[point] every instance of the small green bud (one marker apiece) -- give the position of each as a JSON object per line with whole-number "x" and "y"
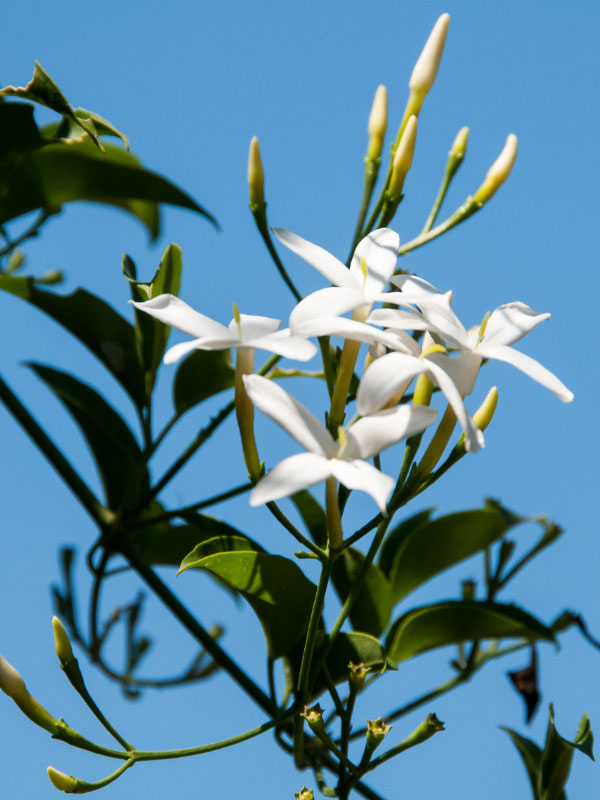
{"x": 256, "y": 175}
{"x": 403, "y": 157}
{"x": 377, "y": 123}
{"x": 377, "y": 730}
{"x": 62, "y": 643}
{"x": 459, "y": 146}
{"x": 484, "y": 414}
{"x": 314, "y": 717}
{"x": 63, "y": 782}
{"x": 304, "y": 794}
{"x": 426, "y": 68}
{"x": 15, "y": 261}
{"x": 51, "y": 277}
{"x": 499, "y": 171}
{"x": 358, "y": 673}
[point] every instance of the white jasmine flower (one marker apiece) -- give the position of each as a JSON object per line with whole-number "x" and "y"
{"x": 343, "y": 459}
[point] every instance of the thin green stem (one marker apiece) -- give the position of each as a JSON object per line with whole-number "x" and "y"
{"x": 371, "y": 172}
{"x": 36, "y": 433}
{"x": 259, "y": 212}
{"x": 298, "y": 535}
{"x": 30, "y": 233}
{"x": 467, "y": 209}
{"x": 452, "y": 166}
{"x": 313, "y": 627}
{"x": 179, "y": 512}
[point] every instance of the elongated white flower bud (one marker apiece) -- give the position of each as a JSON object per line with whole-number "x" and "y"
{"x": 499, "y": 171}
{"x": 10, "y": 681}
{"x": 14, "y": 686}
{"x": 425, "y": 70}
{"x": 403, "y": 157}
{"x": 377, "y": 123}
{"x": 256, "y": 175}
{"x": 459, "y": 146}
{"x": 61, "y": 781}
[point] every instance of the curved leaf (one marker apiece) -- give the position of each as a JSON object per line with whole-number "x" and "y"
{"x": 218, "y": 544}
{"x": 276, "y": 588}
{"x": 455, "y": 621}
{"x": 531, "y": 755}
{"x": 373, "y": 607}
{"x": 96, "y": 324}
{"x": 394, "y": 539}
{"x": 114, "y": 448}
{"x": 201, "y": 375}
{"x": 558, "y": 754}
{"x": 47, "y": 177}
{"x": 422, "y": 551}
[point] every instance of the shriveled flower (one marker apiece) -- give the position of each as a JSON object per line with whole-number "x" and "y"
{"x": 344, "y": 459}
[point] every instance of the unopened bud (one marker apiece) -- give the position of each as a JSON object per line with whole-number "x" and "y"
{"x": 483, "y": 416}
{"x": 425, "y": 70}
{"x": 459, "y": 146}
{"x": 377, "y": 123}
{"x": 15, "y": 261}
{"x": 62, "y": 643}
{"x": 304, "y": 794}
{"x": 403, "y": 157}
{"x": 357, "y": 675}
{"x": 256, "y": 176}
{"x": 426, "y": 730}
{"x": 63, "y": 782}
{"x": 14, "y": 686}
{"x": 50, "y": 277}
{"x": 499, "y": 171}
{"x": 314, "y": 716}
{"x": 377, "y": 730}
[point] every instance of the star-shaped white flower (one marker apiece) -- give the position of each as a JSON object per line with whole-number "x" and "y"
{"x": 343, "y": 459}
{"x": 493, "y": 339}
{"x": 246, "y": 331}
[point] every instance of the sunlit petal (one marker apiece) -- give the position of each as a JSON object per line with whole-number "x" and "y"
{"x": 291, "y": 475}
{"x": 360, "y": 475}
{"x": 329, "y": 266}
{"x": 510, "y": 322}
{"x": 474, "y": 440}
{"x": 379, "y": 251}
{"x": 254, "y": 326}
{"x": 529, "y": 366}
{"x": 284, "y": 344}
{"x": 383, "y": 378}
{"x": 172, "y": 311}
{"x": 373, "y": 433}
{"x": 330, "y": 302}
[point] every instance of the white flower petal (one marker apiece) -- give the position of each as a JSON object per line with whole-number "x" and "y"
{"x": 510, "y": 322}
{"x": 254, "y": 327}
{"x": 172, "y": 311}
{"x": 380, "y": 253}
{"x": 462, "y": 369}
{"x": 293, "y": 417}
{"x": 329, "y": 302}
{"x": 176, "y": 352}
{"x": 350, "y": 329}
{"x": 291, "y": 475}
{"x": 329, "y": 266}
{"x": 397, "y": 320}
{"x": 529, "y": 366}
{"x": 360, "y": 475}
{"x": 383, "y": 378}
{"x": 411, "y": 284}
{"x": 373, "y": 433}
{"x": 284, "y": 344}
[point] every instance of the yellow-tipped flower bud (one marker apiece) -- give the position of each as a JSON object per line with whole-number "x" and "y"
{"x": 377, "y": 123}
{"x": 14, "y": 686}
{"x": 62, "y": 782}
{"x": 357, "y": 675}
{"x": 425, "y": 70}
{"x": 304, "y": 794}
{"x": 377, "y": 730}
{"x": 256, "y": 176}
{"x": 403, "y": 157}
{"x": 483, "y": 416}
{"x": 459, "y": 146}
{"x": 62, "y": 644}
{"x": 499, "y": 171}
{"x": 314, "y": 716}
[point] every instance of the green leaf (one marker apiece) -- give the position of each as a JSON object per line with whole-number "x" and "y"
{"x": 398, "y": 535}
{"x": 278, "y": 591}
{"x": 218, "y": 544}
{"x": 98, "y": 326}
{"x": 201, "y": 375}
{"x": 114, "y": 448}
{"x": 373, "y": 607}
{"x": 558, "y": 754}
{"x": 313, "y": 516}
{"x": 42, "y": 89}
{"x": 454, "y": 621}
{"x": 421, "y": 551}
{"x": 531, "y": 755}
{"x": 70, "y": 131}
{"x": 18, "y": 131}
{"x": 47, "y": 177}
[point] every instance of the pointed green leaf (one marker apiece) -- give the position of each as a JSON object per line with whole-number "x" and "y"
{"x": 201, "y": 375}
{"x": 113, "y": 446}
{"x": 98, "y": 326}
{"x": 373, "y": 607}
{"x": 47, "y": 177}
{"x": 455, "y": 621}
{"x": 218, "y": 544}
{"x": 558, "y": 754}
{"x": 278, "y": 591}
{"x": 42, "y": 89}
{"x": 531, "y": 755}
{"x": 398, "y": 535}
{"x": 422, "y": 551}
{"x": 312, "y": 515}
{"x": 70, "y": 131}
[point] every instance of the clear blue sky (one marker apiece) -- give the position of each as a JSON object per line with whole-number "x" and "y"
{"x": 191, "y": 83}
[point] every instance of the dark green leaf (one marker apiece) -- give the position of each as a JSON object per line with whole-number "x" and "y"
{"x": 18, "y": 131}
{"x": 218, "y": 544}
{"x": 420, "y": 552}
{"x": 558, "y": 754}
{"x": 47, "y": 177}
{"x": 110, "y": 337}
{"x": 312, "y": 515}
{"x": 275, "y": 587}
{"x": 398, "y": 535}
{"x": 373, "y": 606}
{"x": 69, "y": 129}
{"x": 531, "y": 755}
{"x": 113, "y": 446}
{"x": 200, "y": 375}
{"x": 42, "y": 89}
{"x": 455, "y": 621}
